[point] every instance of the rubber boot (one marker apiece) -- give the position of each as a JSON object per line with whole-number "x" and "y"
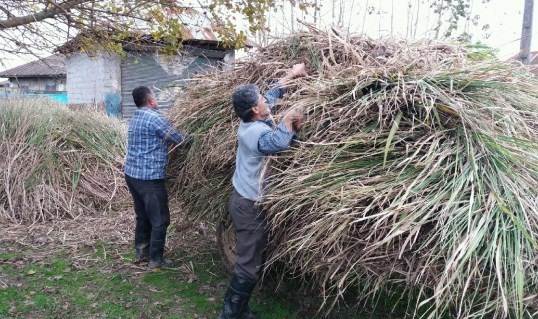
{"x": 156, "y": 250}
{"x": 236, "y": 299}
{"x": 248, "y": 314}
{"x": 142, "y": 240}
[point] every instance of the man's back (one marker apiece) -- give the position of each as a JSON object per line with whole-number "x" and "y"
{"x": 147, "y": 146}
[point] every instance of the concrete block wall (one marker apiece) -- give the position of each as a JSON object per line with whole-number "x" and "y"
{"x": 92, "y": 79}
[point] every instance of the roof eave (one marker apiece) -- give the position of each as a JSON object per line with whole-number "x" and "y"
{"x": 32, "y": 75}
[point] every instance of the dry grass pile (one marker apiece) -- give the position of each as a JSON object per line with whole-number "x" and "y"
{"x": 418, "y": 169}
{"x": 56, "y": 162}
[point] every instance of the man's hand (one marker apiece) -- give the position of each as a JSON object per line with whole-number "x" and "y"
{"x": 293, "y": 120}
{"x": 297, "y": 124}
{"x": 295, "y": 71}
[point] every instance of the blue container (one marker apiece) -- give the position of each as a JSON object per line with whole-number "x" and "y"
{"x": 58, "y": 97}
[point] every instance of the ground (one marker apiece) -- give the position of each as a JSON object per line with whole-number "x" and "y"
{"x": 83, "y": 268}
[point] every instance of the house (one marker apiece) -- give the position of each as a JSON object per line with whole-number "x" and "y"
{"x": 108, "y": 79}
{"x": 44, "y": 76}
{"x": 4, "y": 88}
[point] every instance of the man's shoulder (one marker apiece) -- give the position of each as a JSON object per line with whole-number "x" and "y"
{"x": 254, "y": 124}
{"x": 251, "y": 131}
{"x": 254, "y": 127}
{"x": 147, "y": 115}
{"x": 149, "y": 112}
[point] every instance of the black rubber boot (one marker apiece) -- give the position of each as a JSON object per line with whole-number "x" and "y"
{"x": 236, "y": 299}
{"x": 248, "y": 314}
{"x": 142, "y": 239}
{"x": 141, "y": 253}
{"x": 156, "y": 250}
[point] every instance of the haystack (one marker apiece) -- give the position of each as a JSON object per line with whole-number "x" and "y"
{"x": 417, "y": 169}
{"x": 57, "y": 162}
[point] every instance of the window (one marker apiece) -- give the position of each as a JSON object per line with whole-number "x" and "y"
{"x": 50, "y": 87}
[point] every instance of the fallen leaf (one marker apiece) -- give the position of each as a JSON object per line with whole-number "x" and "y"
{"x": 31, "y": 272}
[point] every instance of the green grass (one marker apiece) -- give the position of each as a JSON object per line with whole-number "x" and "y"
{"x": 58, "y": 287}
{"x": 61, "y": 285}
{"x": 86, "y": 278}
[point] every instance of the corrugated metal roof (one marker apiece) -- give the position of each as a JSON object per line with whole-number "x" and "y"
{"x": 53, "y": 65}
{"x": 197, "y": 26}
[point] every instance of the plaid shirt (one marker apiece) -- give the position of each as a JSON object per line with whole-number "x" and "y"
{"x": 278, "y": 139}
{"x": 147, "y": 149}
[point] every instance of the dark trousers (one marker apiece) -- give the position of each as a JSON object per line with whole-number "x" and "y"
{"x": 251, "y": 229}
{"x": 152, "y": 215}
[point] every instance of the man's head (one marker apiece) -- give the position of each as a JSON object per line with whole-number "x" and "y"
{"x": 249, "y": 104}
{"x": 144, "y": 97}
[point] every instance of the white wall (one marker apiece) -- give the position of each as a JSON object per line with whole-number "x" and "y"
{"x": 90, "y": 79}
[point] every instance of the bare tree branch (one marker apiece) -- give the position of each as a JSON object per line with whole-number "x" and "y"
{"x": 6, "y": 11}
{"x": 39, "y": 16}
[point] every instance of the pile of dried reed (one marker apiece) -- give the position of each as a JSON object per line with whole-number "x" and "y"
{"x": 56, "y": 162}
{"x": 418, "y": 168}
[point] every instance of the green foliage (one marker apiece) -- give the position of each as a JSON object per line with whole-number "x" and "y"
{"x": 456, "y": 11}
{"x": 107, "y": 25}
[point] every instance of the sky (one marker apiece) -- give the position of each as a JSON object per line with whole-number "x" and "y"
{"x": 401, "y": 18}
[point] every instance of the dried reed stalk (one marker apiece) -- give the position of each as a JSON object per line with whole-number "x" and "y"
{"x": 58, "y": 163}
{"x": 418, "y": 168}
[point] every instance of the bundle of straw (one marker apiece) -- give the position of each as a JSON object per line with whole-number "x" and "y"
{"x": 58, "y": 163}
{"x": 418, "y": 168}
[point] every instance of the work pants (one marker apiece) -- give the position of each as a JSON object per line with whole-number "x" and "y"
{"x": 152, "y": 215}
{"x": 251, "y": 230}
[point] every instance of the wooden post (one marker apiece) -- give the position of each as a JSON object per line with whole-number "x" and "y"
{"x": 526, "y": 33}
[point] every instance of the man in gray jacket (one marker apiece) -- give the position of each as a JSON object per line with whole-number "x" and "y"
{"x": 257, "y": 137}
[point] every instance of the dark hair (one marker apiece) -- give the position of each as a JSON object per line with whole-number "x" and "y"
{"x": 141, "y": 95}
{"x": 244, "y": 98}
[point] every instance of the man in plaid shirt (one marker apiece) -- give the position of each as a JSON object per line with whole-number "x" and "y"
{"x": 150, "y": 135}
